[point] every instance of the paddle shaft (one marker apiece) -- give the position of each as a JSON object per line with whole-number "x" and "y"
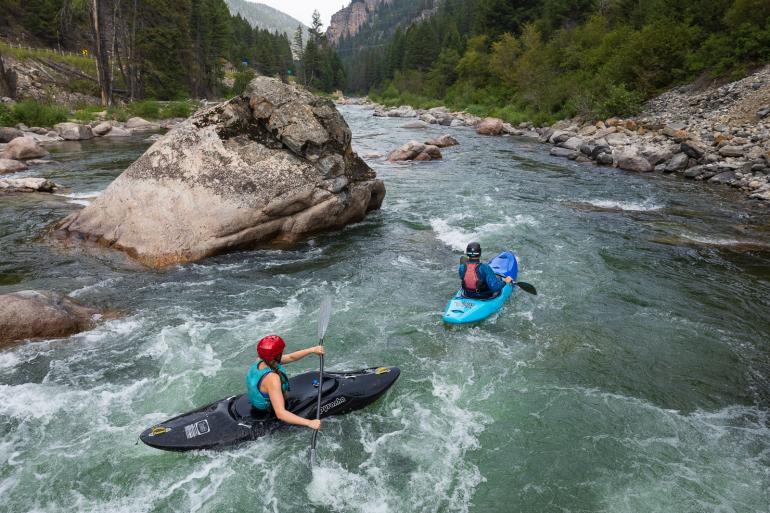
{"x": 318, "y": 404}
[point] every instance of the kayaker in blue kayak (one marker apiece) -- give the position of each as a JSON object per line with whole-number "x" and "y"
{"x": 267, "y": 382}
{"x": 479, "y": 281}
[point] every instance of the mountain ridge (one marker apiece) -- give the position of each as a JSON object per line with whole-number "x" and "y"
{"x": 265, "y": 17}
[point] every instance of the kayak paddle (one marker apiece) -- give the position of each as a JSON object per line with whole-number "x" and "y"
{"x": 323, "y": 322}
{"x": 523, "y": 285}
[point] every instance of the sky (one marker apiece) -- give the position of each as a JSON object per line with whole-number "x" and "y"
{"x": 303, "y": 9}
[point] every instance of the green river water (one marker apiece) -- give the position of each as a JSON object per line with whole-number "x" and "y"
{"x": 637, "y": 381}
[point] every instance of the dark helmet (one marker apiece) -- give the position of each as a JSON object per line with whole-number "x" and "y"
{"x": 473, "y": 250}
{"x": 270, "y": 348}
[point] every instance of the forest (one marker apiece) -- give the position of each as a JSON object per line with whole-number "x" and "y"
{"x": 547, "y": 59}
{"x": 169, "y": 49}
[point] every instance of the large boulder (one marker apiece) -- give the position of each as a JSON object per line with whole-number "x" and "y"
{"x": 273, "y": 164}
{"x": 490, "y": 126}
{"x": 11, "y": 166}
{"x": 117, "y": 131}
{"x": 73, "y": 131}
{"x": 42, "y": 314}
{"x": 23, "y": 148}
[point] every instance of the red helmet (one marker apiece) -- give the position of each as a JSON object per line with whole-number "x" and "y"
{"x": 270, "y": 348}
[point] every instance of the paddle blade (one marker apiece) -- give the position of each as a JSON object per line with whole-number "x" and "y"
{"x": 324, "y": 314}
{"x": 526, "y": 287}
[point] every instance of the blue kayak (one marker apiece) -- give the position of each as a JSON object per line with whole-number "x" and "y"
{"x": 463, "y": 310}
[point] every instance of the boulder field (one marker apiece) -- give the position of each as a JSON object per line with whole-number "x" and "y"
{"x": 273, "y": 164}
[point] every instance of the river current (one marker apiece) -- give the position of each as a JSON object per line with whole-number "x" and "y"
{"x": 638, "y": 380}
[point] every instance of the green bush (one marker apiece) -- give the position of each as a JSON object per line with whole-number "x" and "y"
{"x": 33, "y": 113}
{"x": 148, "y": 109}
{"x": 7, "y": 117}
{"x": 176, "y": 110}
{"x": 620, "y": 101}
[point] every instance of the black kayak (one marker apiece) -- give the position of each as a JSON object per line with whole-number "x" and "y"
{"x": 233, "y": 419}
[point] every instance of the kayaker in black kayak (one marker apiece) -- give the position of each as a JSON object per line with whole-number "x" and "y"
{"x": 479, "y": 281}
{"x": 267, "y": 382}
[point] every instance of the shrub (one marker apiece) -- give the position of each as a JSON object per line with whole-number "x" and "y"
{"x": 148, "y": 109}
{"x": 32, "y": 113}
{"x": 7, "y": 117}
{"x": 176, "y": 110}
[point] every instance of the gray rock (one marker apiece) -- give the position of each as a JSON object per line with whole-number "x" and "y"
{"x": 693, "y": 172}
{"x": 73, "y": 131}
{"x": 633, "y": 162}
{"x": 457, "y": 123}
{"x": 573, "y": 143}
{"x": 31, "y": 314}
{"x": 678, "y": 163}
{"x": 617, "y": 139}
{"x": 600, "y": 149}
{"x": 415, "y": 124}
{"x": 141, "y": 125}
{"x": 102, "y": 128}
{"x": 11, "y": 166}
{"x": 117, "y": 131}
{"x": 587, "y": 149}
{"x": 428, "y": 118}
{"x": 731, "y": 151}
{"x": 490, "y": 126}
{"x": 256, "y": 168}
{"x": 29, "y": 184}
{"x": 23, "y": 148}
{"x": 693, "y": 149}
{"x": 660, "y": 168}
{"x": 604, "y": 159}
{"x": 763, "y": 112}
{"x": 655, "y": 155}
{"x": 443, "y": 141}
{"x": 414, "y": 150}
{"x": 564, "y": 152}
{"x": 7, "y": 134}
{"x": 723, "y": 177}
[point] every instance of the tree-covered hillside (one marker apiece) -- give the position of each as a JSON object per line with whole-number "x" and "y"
{"x": 263, "y": 16}
{"x": 541, "y": 59}
{"x": 161, "y": 49}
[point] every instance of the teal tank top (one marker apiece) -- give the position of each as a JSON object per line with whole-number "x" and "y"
{"x": 254, "y": 377}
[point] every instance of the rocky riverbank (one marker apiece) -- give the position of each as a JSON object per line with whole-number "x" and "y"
{"x": 23, "y": 147}
{"x": 719, "y": 135}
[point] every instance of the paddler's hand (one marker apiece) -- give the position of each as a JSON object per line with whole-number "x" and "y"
{"x": 314, "y": 424}
{"x": 319, "y": 350}
{"x": 508, "y": 279}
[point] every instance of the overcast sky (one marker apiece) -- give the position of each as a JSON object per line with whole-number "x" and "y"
{"x": 303, "y": 9}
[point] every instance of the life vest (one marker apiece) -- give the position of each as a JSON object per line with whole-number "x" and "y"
{"x": 472, "y": 282}
{"x": 259, "y": 399}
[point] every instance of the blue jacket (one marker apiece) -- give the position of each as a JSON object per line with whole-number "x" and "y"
{"x": 486, "y": 273}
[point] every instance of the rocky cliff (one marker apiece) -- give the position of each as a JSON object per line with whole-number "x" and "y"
{"x": 348, "y": 21}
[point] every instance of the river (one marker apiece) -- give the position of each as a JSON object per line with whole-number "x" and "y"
{"x": 638, "y": 380}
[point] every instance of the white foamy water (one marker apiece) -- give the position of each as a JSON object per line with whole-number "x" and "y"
{"x": 629, "y": 206}
{"x": 457, "y": 237}
{"x": 81, "y": 198}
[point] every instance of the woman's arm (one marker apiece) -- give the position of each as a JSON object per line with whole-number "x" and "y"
{"x": 273, "y": 385}
{"x": 298, "y": 355}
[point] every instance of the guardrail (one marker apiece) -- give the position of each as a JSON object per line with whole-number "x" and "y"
{"x": 53, "y": 51}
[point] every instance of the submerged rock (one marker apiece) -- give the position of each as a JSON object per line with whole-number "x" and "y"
{"x": 42, "y": 314}
{"x": 273, "y": 164}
